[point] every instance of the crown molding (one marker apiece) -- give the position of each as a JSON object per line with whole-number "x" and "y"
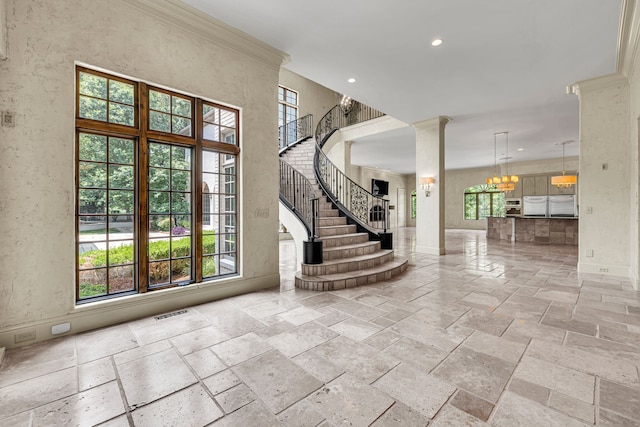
{"x": 197, "y": 22}
{"x": 628, "y": 37}
{"x": 603, "y": 82}
{"x": 4, "y": 51}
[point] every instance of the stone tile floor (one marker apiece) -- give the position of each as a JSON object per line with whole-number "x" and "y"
{"x": 492, "y": 333}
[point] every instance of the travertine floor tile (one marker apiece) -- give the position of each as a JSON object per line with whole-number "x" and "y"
{"x": 573, "y": 407}
{"x": 234, "y": 398}
{"x": 420, "y": 391}
{"x": 483, "y": 375}
{"x": 300, "y": 315}
{"x": 191, "y": 406}
{"x": 253, "y": 414}
{"x": 472, "y": 405}
{"x": 299, "y": 340}
{"x": 358, "y": 359}
{"x": 302, "y": 414}
{"x": 278, "y": 381}
{"x": 88, "y": 408}
{"x": 235, "y": 323}
{"x": 95, "y": 373}
{"x": 104, "y": 342}
{"x": 152, "y": 377}
{"x": 400, "y": 415}
{"x": 515, "y": 410}
{"x": 356, "y": 329}
{"x": 221, "y": 381}
{"x": 623, "y": 400}
{"x": 451, "y": 416}
{"x": 37, "y": 359}
{"x": 494, "y": 346}
{"x": 348, "y": 401}
{"x": 420, "y": 356}
{"x": 37, "y": 391}
{"x": 240, "y": 349}
{"x": 205, "y": 363}
{"x": 564, "y": 380}
{"x": 169, "y": 327}
{"x": 485, "y": 321}
{"x": 318, "y": 366}
{"x": 619, "y": 371}
{"x": 197, "y": 340}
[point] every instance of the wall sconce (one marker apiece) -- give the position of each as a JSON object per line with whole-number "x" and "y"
{"x": 426, "y": 182}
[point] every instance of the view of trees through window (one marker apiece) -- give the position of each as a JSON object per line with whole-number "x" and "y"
{"x": 139, "y": 199}
{"x": 481, "y": 201}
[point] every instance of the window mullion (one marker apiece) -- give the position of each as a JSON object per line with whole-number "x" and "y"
{"x": 196, "y": 229}
{"x": 143, "y": 190}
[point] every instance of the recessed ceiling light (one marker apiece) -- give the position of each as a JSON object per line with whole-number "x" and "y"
{"x": 436, "y": 42}
{"x": 520, "y": 149}
{"x": 351, "y": 80}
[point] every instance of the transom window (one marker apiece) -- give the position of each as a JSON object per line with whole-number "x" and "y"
{"x": 146, "y": 218}
{"x": 481, "y": 201}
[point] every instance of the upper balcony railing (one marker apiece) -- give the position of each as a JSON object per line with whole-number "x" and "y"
{"x": 294, "y": 131}
{"x": 369, "y": 211}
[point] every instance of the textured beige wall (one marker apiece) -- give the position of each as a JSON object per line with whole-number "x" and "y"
{"x": 604, "y": 140}
{"x": 313, "y": 98}
{"x": 37, "y": 155}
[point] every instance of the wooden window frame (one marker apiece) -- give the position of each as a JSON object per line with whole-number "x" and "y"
{"x": 143, "y": 136}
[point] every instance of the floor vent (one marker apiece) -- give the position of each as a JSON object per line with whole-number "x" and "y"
{"x": 175, "y": 313}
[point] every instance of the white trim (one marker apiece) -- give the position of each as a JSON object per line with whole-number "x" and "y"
{"x": 4, "y": 42}
{"x": 598, "y": 83}
{"x": 212, "y": 29}
{"x": 628, "y": 38}
{"x": 612, "y": 270}
{"x": 431, "y": 250}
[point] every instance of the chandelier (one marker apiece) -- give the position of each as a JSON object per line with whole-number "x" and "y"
{"x": 563, "y": 180}
{"x": 506, "y": 183}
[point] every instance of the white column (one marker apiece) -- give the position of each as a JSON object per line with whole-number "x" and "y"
{"x": 430, "y": 163}
{"x": 347, "y": 159}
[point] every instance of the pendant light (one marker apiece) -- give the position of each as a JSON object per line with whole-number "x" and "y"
{"x": 563, "y": 180}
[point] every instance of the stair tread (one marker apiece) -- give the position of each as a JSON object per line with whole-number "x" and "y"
{"x": 351, "y": 246}
{"x": 357, "y": 258}
{"x": 338, "y": 236}
{"x": 396, "y": 262}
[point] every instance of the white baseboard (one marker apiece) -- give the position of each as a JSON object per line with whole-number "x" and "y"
{"x": 605, "y": 270}
{"x": 430, "y": 250}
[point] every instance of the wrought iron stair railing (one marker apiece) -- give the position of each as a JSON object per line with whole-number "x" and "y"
{"x": 369, "y": 212}
{"x": 294, "y": 131}
{"x": 299, "y": 196}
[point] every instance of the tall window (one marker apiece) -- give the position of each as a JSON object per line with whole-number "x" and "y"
{"x": 288, "y": 111}
{"x": 414, "y": 205}
{"x": 481, "y": 201}
{"x": 146, "y": 217}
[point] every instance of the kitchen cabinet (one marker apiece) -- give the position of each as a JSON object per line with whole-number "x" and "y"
{"x": 535, "y": 185}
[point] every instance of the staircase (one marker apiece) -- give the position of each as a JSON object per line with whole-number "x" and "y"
{"x": 349, "y": 258}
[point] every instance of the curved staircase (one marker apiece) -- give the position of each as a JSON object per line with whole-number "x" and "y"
{"x": 349, "y": 258}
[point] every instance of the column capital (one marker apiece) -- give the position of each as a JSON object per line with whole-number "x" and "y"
{"x": 439, "y": 122}
{"x": 598, "y": 83}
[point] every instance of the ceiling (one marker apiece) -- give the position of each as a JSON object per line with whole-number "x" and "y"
{"x": 504, "y": 65}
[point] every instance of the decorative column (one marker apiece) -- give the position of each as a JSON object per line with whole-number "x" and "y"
{"x": 430, "y": 204}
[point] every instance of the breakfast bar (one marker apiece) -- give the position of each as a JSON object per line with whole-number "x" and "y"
{"x": 555, "y": 231}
